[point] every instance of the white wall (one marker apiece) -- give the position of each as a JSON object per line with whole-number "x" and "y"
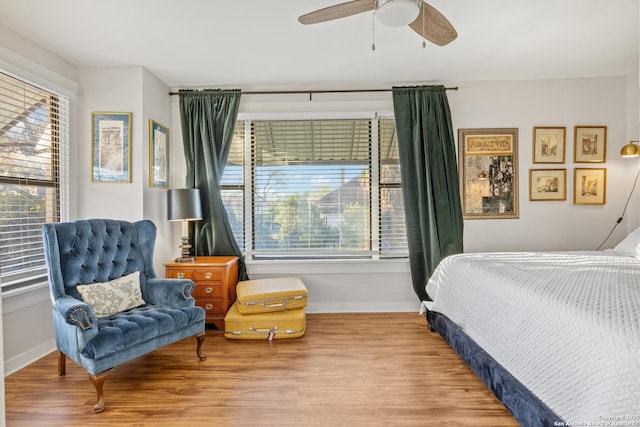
{"x": 156, "y": 106}
{"x": 568, "y": 102}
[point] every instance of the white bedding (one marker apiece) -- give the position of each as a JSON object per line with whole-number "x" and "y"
{"x": 565, "y": 324}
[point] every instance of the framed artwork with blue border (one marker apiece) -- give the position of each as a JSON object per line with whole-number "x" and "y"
{"x": 111, "y": 150}
{"x": 158, "y": 155}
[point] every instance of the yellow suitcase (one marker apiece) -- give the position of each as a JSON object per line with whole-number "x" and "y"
{"x": 264, "y": 326}
{"x": 273, "y": 294}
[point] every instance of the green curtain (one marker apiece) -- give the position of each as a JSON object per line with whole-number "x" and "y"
{"x": 208, "y": 119}
{"x": 429, "y": 175}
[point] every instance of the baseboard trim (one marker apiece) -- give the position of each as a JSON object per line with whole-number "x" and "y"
{"x": 363, "y": 308}
{"x": 27, "y": 358}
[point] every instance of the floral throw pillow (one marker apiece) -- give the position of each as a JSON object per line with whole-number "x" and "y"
{"x": 115, "y": 296}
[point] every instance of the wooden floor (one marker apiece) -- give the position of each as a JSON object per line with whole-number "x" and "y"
{"x": 383, "y": 369}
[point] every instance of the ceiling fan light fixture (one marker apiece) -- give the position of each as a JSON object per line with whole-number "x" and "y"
{"x": 397, "y": 13}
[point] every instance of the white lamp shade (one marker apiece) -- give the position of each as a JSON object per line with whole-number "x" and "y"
{"x": 397, "y": 13}
{"x": 183, "y": 204}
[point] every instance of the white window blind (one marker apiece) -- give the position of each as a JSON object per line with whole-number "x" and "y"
{"x": 33, "y": 140}
{"x": 393, "y": 234}
{"x": 232, "y": 185}
{"x": 316, "y": 188}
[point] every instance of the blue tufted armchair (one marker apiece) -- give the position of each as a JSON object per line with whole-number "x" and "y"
{"x": 97, "y": 251}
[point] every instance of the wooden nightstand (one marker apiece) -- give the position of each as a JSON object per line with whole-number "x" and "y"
{"x": 215, "y": 279}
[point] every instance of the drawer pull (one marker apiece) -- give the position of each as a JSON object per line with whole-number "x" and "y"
{"x": 180, "y": 275}
{"x": 208, "y": 307}
{"x": 208, "y": 275}
{"x": 208, "y": 290}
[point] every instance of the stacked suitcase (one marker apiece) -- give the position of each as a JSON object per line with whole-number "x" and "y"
{"x": 269, "y": 309}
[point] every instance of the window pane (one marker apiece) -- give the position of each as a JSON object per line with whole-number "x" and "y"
{"x": 233, "y": 201}
{"x": 33, "y": 125}
{"x": 232, "y": 185}
{"x": 311, "y": 185}
{"x": 23, "y": 211}
{"x": 393, "y": 235}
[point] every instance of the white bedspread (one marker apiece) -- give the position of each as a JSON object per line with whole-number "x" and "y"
{"x": 566, "y": 324}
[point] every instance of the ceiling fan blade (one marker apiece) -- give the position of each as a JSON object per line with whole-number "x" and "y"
{"x": 337, "y": 11}
{"x": 433, "y": 26}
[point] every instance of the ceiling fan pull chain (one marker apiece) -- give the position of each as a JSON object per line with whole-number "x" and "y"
{"x": 424, "y": 42}
{"x": 373, "y": 30}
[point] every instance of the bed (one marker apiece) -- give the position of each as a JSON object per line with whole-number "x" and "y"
{"x": 554, "y": 335}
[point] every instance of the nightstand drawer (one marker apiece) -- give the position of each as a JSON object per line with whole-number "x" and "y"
{"x": 208, "y": 290}
{"x": 209, "y": 274}
{"x": 179, "y": 274}
{"x": 212, "y": 306}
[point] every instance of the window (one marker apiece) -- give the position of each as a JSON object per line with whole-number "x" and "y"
{"x": 316, "y": 189}
{"x": 33, "y": 137}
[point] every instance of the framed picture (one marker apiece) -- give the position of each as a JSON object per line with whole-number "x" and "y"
{"x": 111, "y": 151}
{"x": 158, "y": 155}
{"x": 590, "y": 144}
{"x": 547, "y": 184}
{"x": 549, "y": 144}
{"x": 488, "y": 173}
{"x": 590, "y": 186}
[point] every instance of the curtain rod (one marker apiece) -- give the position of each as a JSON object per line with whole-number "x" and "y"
{"x": 311, "y": 92}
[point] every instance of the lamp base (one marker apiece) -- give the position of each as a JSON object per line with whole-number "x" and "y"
{"x": 185, "y": 251}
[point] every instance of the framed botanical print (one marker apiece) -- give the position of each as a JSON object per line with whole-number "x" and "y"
{"x": 111, "y": 147}
{"x": 158, "y": 155}
{"x": 488, "y": 173}
{"x": 590, "y": 186}
{"x": 549, "y": 144}
{"x": 590, "y": 144}
{"x": 547, "y": 184}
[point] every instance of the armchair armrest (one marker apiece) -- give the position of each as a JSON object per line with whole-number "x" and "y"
{"x": 76, "y": 312}
{"x": 170, "y": 292}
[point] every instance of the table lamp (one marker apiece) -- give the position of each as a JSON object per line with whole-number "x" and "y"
{"x": 183, "y": 204}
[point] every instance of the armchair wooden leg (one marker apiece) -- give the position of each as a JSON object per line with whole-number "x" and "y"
{"x": 98, "y": 382}
{"x": 62, "y": 363}
{"x": 200, "y": 339}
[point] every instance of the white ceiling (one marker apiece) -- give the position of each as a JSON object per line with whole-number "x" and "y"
{"x": 252, "y": 44}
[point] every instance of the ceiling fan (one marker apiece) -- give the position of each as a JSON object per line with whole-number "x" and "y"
{"x": 423, "y": 18}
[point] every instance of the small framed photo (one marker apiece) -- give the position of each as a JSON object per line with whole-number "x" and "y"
{"x": 158, "y": 155}
{"x": 590, "y": 186}
{"x": 111, "y": 150}
{"x": 549, "y": 144}
{"x": 590, "y": 144}
{"x": 547, "y": 184}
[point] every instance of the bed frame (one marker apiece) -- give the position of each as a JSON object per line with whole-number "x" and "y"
{"x": 526, "y": 408}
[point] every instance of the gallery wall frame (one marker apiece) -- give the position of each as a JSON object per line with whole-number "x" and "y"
{"x": 547, "y": 184}
{"x": 549, "y": 144}
{"x": 589, "y": 186}
{"x": 590, "y": 144}
{"x": 488, "y": 168}
{"x": 158, "y": 155}
{"x": 111, "y": 147}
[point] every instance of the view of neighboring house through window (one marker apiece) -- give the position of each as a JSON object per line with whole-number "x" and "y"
{"x": 33, "y": 134}
{"x": 316, "y": 189}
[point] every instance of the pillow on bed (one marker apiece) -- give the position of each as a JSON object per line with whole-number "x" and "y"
{"x": 115, "y": 296}
{"x": 630, "y": 245}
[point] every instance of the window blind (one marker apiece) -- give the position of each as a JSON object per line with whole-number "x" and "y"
{"x": 33, "y": 145}
{"x": 232, "y": 185}
{"x": 393, "y": 234}
{"x": 316, "y": 189}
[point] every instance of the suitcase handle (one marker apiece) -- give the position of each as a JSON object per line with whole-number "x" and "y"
{"x": 263, "y": 330}
{"x": 274, "y": 305}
